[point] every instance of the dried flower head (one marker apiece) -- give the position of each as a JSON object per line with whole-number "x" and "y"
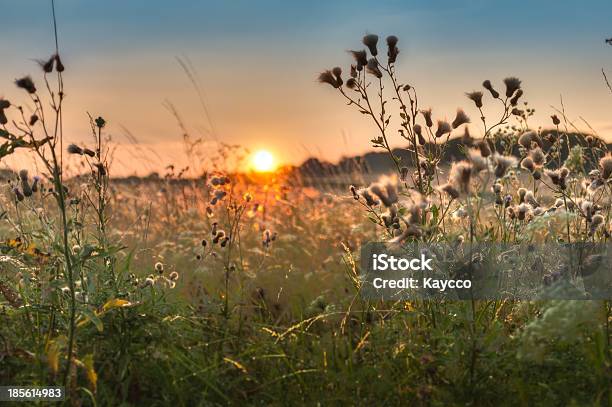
{"x": 460, "y": 175}
{"x": 460, "y": 118}
{"x": 528, "y": 164}
{"x": 512, "y": 85}
{"x": 528, "y": 138}
{"x": 516, "y": 97}
{"x": 484, "y": 148}
{"x": 487, "y": 85}
{"x": 605, "y": 166}
{"x": 503, "y": 163}
{"x": 427, "y": 115}
{"x": 555, "y": 119}
{"x": 369, "y": 197}
{"x": 59, "y": 66}
{"x": 47, "y": 66}
{"x": 372, "y": 68}
{"x": 476, "y": 97}
{"x": 159, "y": 267}
{"x": 393, "y": 51}
{"x": 329, "y": 78}
{"x": 26, "y": 83}
{"x": 74, "y": 149}
{"x": 173, "y": 276}
{"x": 450, "y": 190}
{"x": 370, "y": 41}
{"x": 538, "y": 156}
{"x": 479, "y": 163}
{"x": 361, "y": 58}
{"x": 385, "y": 190}
{"x": 443, "y": 128}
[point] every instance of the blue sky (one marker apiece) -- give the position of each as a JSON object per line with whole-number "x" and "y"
{"x": 257, "y": 62}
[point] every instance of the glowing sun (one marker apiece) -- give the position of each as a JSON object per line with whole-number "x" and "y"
{"x": 263, "y": 161}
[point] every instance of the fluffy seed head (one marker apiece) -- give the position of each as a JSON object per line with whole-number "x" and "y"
{"x": 427, "y": 115}
{"x": 361, "y": 58}
{"x": 528, "y": 138}
{"x": 503, "y": 163}
{"x": 460, "y": 118}
{"x": 512, "y": 85}
{"x": 372, "y": 68}
{"x": 605, "y": 166}
{"x": 476, "y": 97}
{"x": 329, "y": 78}
{"x": 528, "y": 164}
{"x": 460, "y": 175}
{"x": 74, "y": 149}
{"x": 370, "y": 41}
{"x": 487, "y": 85}
{"x": 393, "y": 51}
{"x": 159, "y": 267}
{"x": 26, "y": 83}
{"x": 443, "y": 128}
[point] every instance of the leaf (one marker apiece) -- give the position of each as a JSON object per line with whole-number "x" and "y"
{"x": 116, "y": 303}
{"x": 93, "y": 317}
{"x": 92, "y": 376}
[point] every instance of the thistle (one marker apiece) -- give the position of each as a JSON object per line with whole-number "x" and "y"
{"x": 487, "y": 85}
{"x": 27, "y": 84}
{"x": 476, "y": 97}
{"x": 512, "y": 85}
{"x": 370, "y": 41}
{"x": 460, "y": 118}
{"x": 443, "y": 128}
{"x": 372, "y": 68}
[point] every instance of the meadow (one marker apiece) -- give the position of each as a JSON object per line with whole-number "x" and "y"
{"x": 234, "y": 288}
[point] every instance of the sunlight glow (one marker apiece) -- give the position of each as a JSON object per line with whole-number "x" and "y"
{"x": 263, "y": 161}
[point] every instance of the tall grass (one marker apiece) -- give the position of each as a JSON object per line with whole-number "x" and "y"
{"x": 223, "y": 288}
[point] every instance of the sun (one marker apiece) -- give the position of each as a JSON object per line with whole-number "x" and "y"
{"x": 263, "y": 161}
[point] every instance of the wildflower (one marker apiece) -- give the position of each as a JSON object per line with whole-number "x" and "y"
{"x": 528, "y": 164}
{"x": 537, "y": 156}
{"x": 25, "y": 184}
{"x": 460, "y": 118}
{"x": 370, "y": 41}
{"x": 59, "y": 66}
{"x": 218, "y": 236}
{"x": 419, "y": 132}
{"x": 556, "y": 177}
{"x": 516, "y": 97}
{"x": 496, "y": 188}
{"x": 587, "y": 209}
{"x": 450, "y": 190}
{"x": 47, "y": 66}
{"x": 148, "y": 282}
{"x": 555, "y": 119}
{"x": 427, "y": 115}
{"x": 605, "y": 165}
{"x": 523, "y": 211}
{"x": 487, "y": 85}
{"x": 443, "y": 128}
{"x": 386, "y": 191}
{"x": 460, "y": 174}
{"x": 595, "y": 185}
{"x": 26, "y": 83}
{"x": 35, "y": 182}
{"x": 329, "y": 78}
{"x": 503, "y": 163}
{"x": 483, "y": 146}
{"x": 159, "y": 267}
{"x": 370, "y": 199}
{"x": 353, "y": 71}
{"x": 18, "y": 194}
{"x": 597, "y": 220}
{"x": 512, "y": 85}
{"x": 351, "y": 83}
{"x": 372, "y": 68}
{"x": 173, "y": 276}
{"x": 393, "y": 50}
{"x": 507, "y": 200}
{"x": 74, "y": 149}
{"x": 530, "y": 199}
{"x": 476, "y": 97}
{"x": 528, "y": 138}
{"x": 361, "y": 57}
{"x": 479, "y": 163}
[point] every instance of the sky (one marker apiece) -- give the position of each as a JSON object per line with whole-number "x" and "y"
{"x": 257, "y": 62}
